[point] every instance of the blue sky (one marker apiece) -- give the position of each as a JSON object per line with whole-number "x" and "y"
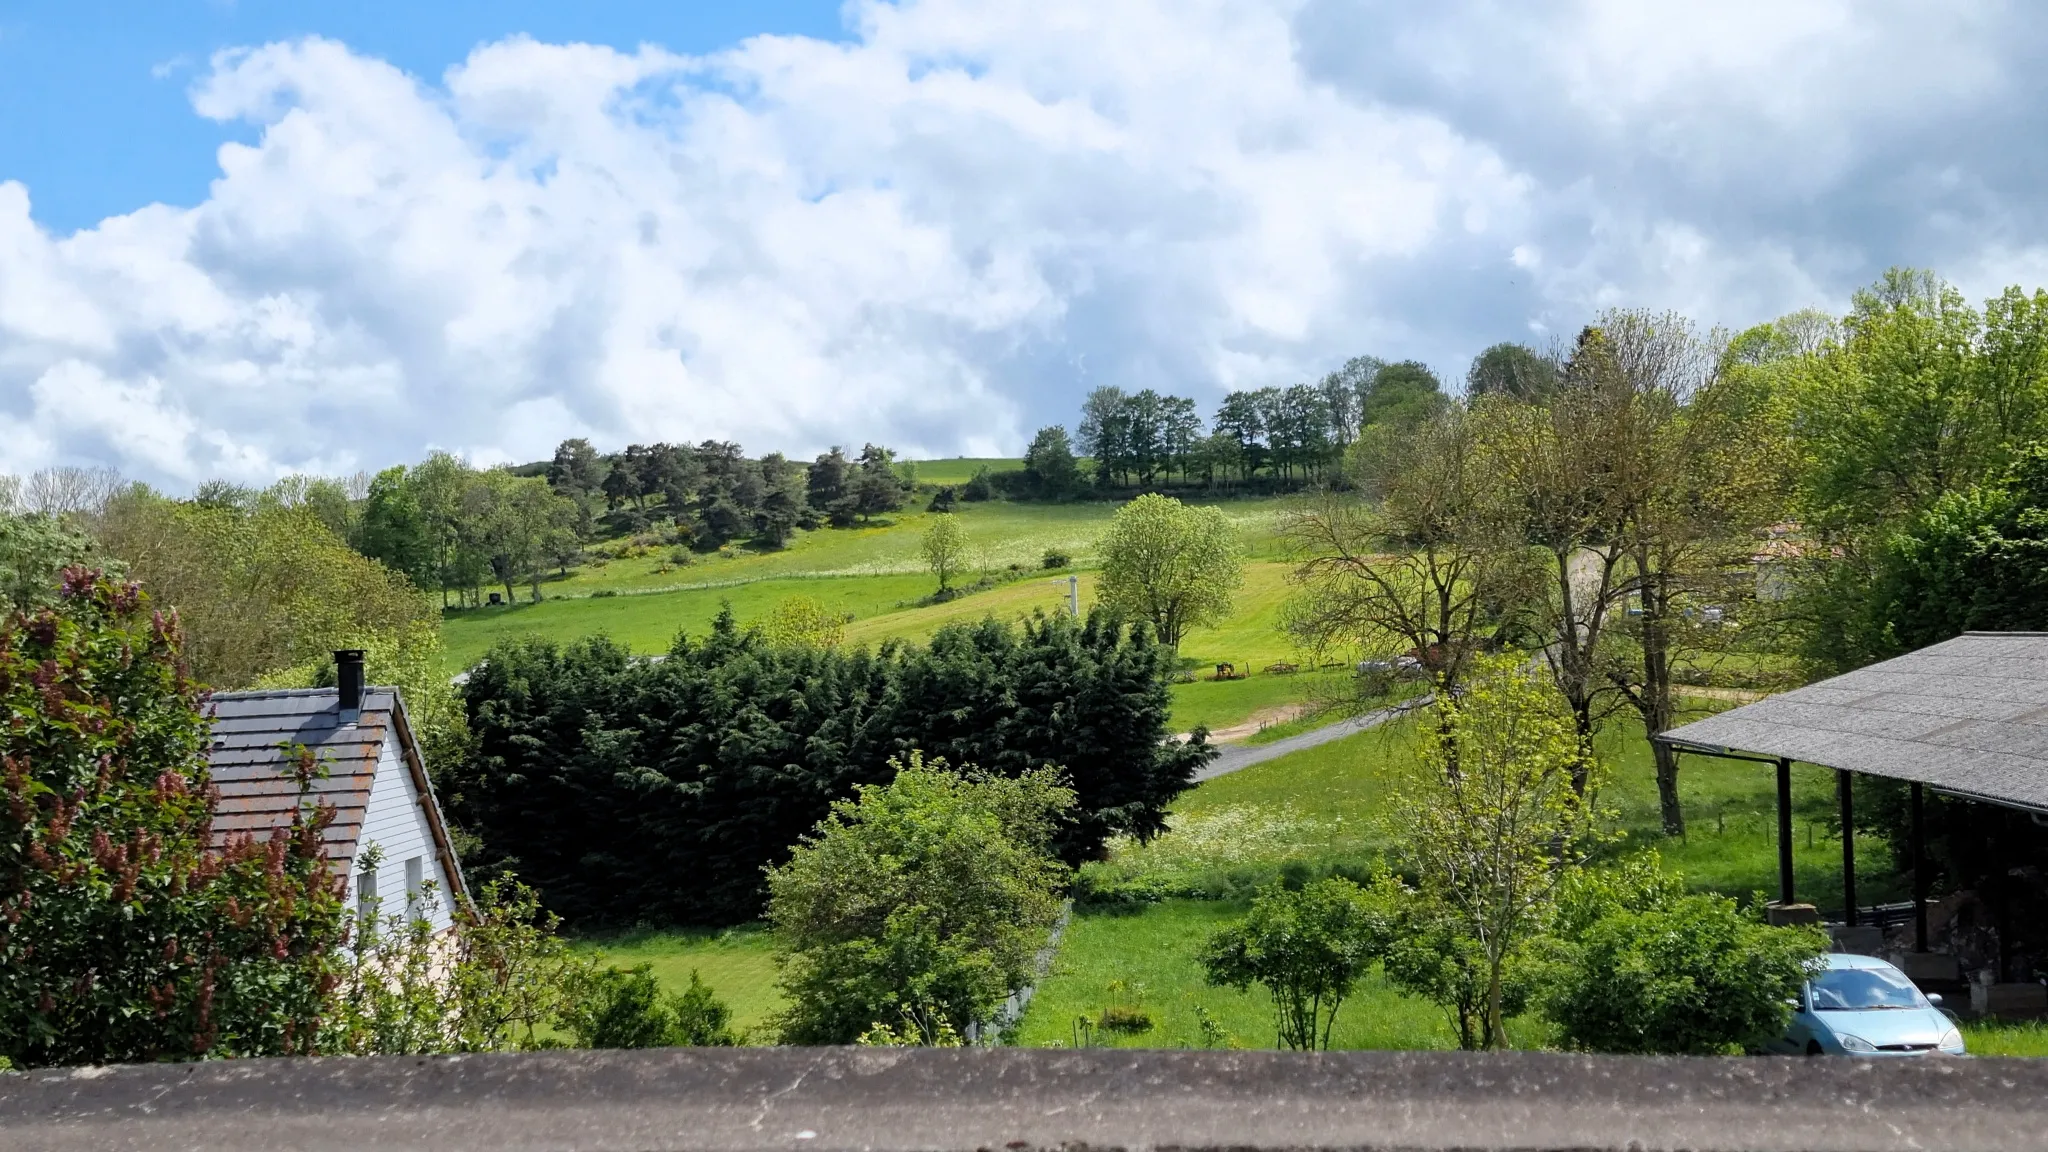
{"x": 373, "y": 230}
{"x": 93, "y": 112}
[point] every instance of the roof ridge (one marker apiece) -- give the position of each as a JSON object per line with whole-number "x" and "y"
{"x": 290, "y": 693}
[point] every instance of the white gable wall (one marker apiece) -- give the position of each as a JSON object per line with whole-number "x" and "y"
{"x": 396, "y": 821}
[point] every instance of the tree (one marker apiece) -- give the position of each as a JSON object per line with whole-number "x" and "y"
{"x": 1402, "y": 395}
{"x": 1105, "y": 433}
{"x": 1490, "y": 822}
{"x": 35, "y": 549}
{"x": 1170, "y": 564}
{"x": 877, "y": 487}
{"x": 1695, "y": 461}
{"x": 784, "y": 503}
{"x": 934, "y": 892}
{"x": 1512, "y": 370}
{"x": 576, "y": 471}
{"x": 1685, "y": 975}
{"x": 829, "y": 487}
{"x": 1308, "y": 947}
{"x": 1574, "y": 466}
{"x": 396, "y": 531}
{"x": 125, "y": 933}
{"x": 1049, "y": 464}
{"x": 1418, "y": 562}
{"x": 598, "y": 778}
{"x": 945, "y": 547}
{"x": 257, "y": 590}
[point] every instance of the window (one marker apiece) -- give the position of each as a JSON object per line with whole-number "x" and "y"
{"x": 415, "y": 884}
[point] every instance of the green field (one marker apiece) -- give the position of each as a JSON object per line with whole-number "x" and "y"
{"x": 1151, "y": 961}
{"x": 738, "y": 964}
{"x": 961, "y": 469}
{"x": 875, "y": 576}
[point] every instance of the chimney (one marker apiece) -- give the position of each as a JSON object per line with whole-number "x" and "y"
{"x": 348, "y": 677}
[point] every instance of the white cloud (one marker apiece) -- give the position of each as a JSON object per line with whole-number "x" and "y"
{"x": 939, "y": 234}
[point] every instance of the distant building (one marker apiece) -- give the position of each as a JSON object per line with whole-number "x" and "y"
{"x": 375, "y": 778}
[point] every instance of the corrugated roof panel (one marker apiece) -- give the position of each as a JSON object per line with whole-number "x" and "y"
{"x": 1965, "y": 715}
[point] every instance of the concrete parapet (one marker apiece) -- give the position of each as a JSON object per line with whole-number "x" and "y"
{"x": 1016, "y": 1100}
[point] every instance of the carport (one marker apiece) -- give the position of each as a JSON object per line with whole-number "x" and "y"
{"x": 1967, "y": 717}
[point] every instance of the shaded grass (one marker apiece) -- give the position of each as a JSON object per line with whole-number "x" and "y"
{"x": 1154, "y": 956}
{"x": 737, "y": 963}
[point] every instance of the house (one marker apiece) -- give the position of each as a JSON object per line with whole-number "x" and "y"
{"x": 375, "y": 778}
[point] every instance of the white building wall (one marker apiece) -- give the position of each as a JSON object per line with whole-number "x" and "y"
{"x": 397, "y": 822}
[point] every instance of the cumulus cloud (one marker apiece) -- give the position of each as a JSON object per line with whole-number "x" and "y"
{"x": 939, "y": 233}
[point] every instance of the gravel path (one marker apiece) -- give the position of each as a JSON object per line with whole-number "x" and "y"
{"x": 1236, "y": 756}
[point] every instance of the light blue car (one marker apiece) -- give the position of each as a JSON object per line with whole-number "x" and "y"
{"x": 1862, "y": 1006}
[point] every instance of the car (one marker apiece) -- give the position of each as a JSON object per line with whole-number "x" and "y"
{"x": 1862, "y": 1006}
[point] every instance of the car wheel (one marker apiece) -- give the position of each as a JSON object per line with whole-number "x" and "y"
{"x": 1813, "y": 1048}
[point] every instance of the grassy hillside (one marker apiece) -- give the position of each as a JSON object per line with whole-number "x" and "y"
{"x": 875, "y": 575}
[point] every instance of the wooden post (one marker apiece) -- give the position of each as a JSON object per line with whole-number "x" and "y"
{"x": 1784, "y": 833}
{"x": 1919, "y": 838}
{"x": 1843, "y": 788}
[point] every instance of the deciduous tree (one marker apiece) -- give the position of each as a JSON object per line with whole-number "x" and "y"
{"x": 1170, "y": 564}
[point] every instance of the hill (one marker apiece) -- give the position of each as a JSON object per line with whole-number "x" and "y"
{"x": 641, "y": 591}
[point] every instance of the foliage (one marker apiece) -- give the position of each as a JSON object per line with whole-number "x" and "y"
{"x": 1689, "y": 975}
{"x": 626, "y": 1008}
{"x": 1401, "y": 395}
{"x": 922, "y": 1026}
{"x": 35, "y": 548}
{"x": 125, "y": 934}
{"x": 945, "y": 548}
{"x": 498, "y": 976}
{"x": 1308, "y": 947}
{"x": 1976, "y": 560}
{"x": 1489, "y": 820}
{"x": 1050, "y": 466}
{"x": 935, "y": 890}
{"x": 603, "y": 780}
{"x": 1418, "y": 562}
{"x": 1055, "y": 558}
{"x": 802, "y": 621}
{"x": 260, "y": 586}
{"x": 1514, "y": 370}
{"x": 1170, "y": 564}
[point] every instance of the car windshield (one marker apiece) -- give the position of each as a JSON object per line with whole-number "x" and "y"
{"x": 1850, "y": 989}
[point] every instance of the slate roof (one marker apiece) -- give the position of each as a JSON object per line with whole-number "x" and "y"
{"x": 1967, "y": 716}
{"x": 253, "y": 735}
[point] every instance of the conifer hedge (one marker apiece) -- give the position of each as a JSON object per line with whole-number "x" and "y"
{"x": 638, "y": 791}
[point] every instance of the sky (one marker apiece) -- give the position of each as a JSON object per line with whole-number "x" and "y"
{"x": 241, "y": 239}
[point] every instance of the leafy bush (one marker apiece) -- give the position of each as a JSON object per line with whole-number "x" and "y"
{"x": 931, "y": 894}
{"x": 1056, "y": 558}
{"x": 1308, "y": 947}
{"x": 630, "y": 790}
{"x": 1122, "y": 1018}
{"x": 979, "y": 487}
{"x": 490, "y": 983}
{"x": 626, "y": 1008}
{"x": 1695, "y": 976}
{"x": 122, "y": 935}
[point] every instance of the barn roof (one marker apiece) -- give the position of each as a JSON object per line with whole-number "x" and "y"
{"x": 1967, "y": 716}
{"x": 254, "y": 738}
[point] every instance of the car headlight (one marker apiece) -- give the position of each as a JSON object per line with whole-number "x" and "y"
{"x": 1855, "y": 1043}
{"x": 1952, "y": 1042}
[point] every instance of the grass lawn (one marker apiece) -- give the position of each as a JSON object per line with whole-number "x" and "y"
{"x": 1150, "y": 960}
{"x": 737, "y": 963}
{"x": 2001, "y": 1038}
